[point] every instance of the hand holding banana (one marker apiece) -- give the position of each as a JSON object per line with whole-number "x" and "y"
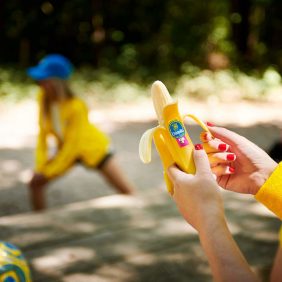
{"x": 173, "y": 142}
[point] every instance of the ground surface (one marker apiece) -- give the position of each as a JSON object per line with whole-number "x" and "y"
{"x": 91, "y": 234}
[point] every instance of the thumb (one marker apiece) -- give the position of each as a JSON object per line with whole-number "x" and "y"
{"x": 201, "y": 160}
{"x": 175, "y": 174}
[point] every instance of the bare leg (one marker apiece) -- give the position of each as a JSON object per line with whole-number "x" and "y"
{"x": 114, "y": 175}
{"x": 37, "y": 198}
{"x": 37, "y": 195}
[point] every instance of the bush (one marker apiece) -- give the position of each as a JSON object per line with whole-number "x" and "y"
{"x": 228, "y": 85}
{"x": 105, "y": 86}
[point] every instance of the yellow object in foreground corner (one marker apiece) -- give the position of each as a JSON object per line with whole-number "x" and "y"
{"x": 171, "y": 138}
{"x": 13, "y": 266}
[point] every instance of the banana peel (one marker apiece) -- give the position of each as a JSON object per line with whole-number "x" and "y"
{"x": 170, "y": 137}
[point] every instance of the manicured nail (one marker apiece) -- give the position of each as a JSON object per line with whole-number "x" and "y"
{"x": 210, "y": 124}
{"x": 222, "y": 147}
{"x": 206, "y": 136}
{"x": 230, "y": 157}
{"x": 198, "y": 147}
{"x": 231, "y": 169}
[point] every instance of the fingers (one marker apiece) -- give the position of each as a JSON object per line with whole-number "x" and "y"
{"x": 227, "y": 136}
{"x": 212, "y": 144}
{"x": 218, "y": 155}
{"x": 221, "y": 158}
{"x": 222, "y": 169}
{"x": 175, "y": 174}
{"x": 201, "y": 160}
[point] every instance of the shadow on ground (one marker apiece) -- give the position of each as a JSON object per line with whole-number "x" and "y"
{"x": 91, "y": 234}
{"x": 80, "y": 184}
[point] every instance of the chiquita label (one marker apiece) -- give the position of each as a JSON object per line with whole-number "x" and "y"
{"x": 177, "y": 131}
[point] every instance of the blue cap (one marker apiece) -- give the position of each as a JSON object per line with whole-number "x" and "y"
{"x": 51, "y": 66}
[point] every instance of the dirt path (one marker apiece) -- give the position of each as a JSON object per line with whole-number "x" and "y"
{"x": 252, "y": 225}
{"x": 125, "y": 123}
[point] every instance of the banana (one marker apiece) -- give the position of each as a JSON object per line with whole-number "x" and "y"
{"x": 171, "y": 138}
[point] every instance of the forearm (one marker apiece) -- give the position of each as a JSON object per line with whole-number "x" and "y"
{"x": 61, "y": 161}
{"x": 41, "y": 155}
{"x": 225, "y": 258}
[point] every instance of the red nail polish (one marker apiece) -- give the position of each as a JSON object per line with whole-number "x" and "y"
{"x": 222, "y": 147}
{"x": 231, "y": 169}
{"x": 198, "y": 147}
{"x": 205, "y": 136}
{"x": 210, "y": 124}
{"x": 230, "y": 157}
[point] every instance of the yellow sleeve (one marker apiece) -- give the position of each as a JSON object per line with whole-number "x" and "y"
{"x": 280, "y": 237}
{"x": 270, "y": 194}
{"x": 41, "y": 152}
{"x": 70, "y": 149}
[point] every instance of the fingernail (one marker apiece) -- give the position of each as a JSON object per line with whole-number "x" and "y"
{"x": 222, "y": 147}
{"x": 206, "y": 136}
{"x": 230, "y": 157}
{"x": 231, "y": 169}
{"x": 210, "y": 124}
{"x": 198, "y": 147}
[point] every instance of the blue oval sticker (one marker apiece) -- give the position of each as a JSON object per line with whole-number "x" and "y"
{"x": 176, "y": 129}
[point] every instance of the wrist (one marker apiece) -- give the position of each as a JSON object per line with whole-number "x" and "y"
{"x": 213, "y": 221}
{"x": 261, "y": 177}
{"x": 213, "y": 230}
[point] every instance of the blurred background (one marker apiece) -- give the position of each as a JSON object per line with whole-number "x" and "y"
{"x": 221, "y": 58}
{"x": 141, "y": 41}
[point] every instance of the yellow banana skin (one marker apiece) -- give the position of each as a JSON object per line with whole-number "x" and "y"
{"x": 179, "y": 143}
{"x": 171, "y": 138}
{"x": 160, "y": 137}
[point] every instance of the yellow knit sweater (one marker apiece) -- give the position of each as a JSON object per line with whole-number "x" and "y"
{"x": 270, "y": 194}
{"x": 79, "y": 139}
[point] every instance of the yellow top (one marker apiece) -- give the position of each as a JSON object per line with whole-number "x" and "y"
{"x": 79, "y": 138}
{"x": 280, "y": 236}
{"x": 270, "y": 194}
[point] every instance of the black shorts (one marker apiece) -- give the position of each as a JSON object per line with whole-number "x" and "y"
{"x": 104, "y": 160}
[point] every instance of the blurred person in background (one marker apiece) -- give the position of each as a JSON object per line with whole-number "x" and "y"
{"x": 65, "y": 117}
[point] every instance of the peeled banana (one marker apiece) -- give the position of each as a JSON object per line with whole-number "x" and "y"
{"x": 171, "y": 138}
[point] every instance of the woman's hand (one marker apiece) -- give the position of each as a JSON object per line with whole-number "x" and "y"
{"x": 197, "y": 196}
{"x": 252, "y": 167}
{"x": 220, "y": 157}
{"x": 199, "y": 201}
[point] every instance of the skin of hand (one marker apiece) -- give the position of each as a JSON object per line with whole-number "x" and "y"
{"x": 220, "y": 158}
{"x": 252, "y": 167}
{"x": 37, "y": 180}
{"x": 199, "y": 201}
{"x": 197, "y": 196}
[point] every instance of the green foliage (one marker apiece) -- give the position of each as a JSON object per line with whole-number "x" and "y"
{"x": 227, "y": 85}
{"x": 108, "y": 87}
{"x": 143, "y": 39}
{"x": 14, "y": 84}
{"x": 104, "y": 86}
